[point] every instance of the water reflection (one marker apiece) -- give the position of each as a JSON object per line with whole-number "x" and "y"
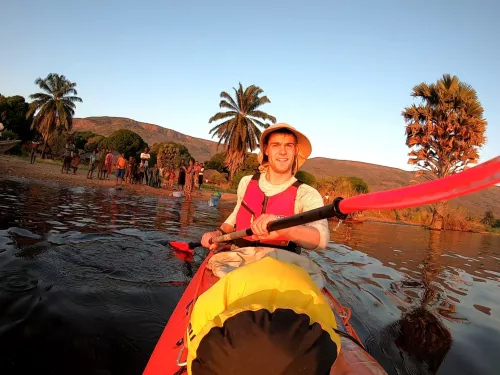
{"x": 418, "y": 295}
{"x": 419, "y": 334}
{"x": 87, "y": 283}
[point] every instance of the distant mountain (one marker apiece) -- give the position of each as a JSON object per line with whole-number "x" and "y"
{"x": 200, "y": 149}
{"x": 376, "y": 176}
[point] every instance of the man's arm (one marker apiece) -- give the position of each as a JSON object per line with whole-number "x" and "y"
{"x": 228, "y": 225}
{"x": 309, "y": 199}
{"x": 231, "y": 219}
{"x": 306, "y": 236}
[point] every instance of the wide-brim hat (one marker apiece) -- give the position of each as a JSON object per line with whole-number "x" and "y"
{"x": 303, "y": 143}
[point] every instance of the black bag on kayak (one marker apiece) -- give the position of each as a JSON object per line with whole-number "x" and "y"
{"x": 265, "y": 343}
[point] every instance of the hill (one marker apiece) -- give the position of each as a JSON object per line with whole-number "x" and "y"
{"x": 200, "y": 149}
{"x": 377, "y": 177}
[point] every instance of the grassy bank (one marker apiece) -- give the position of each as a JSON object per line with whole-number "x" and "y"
{"x": 455, "y": 218}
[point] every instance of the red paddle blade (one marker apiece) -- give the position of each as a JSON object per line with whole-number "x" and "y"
{"x": 184, "y": 256}
{"x": 181, "y": 246}
{"x": 469, "y": 181}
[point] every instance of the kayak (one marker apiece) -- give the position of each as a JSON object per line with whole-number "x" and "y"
{"x": 170, "y": 354}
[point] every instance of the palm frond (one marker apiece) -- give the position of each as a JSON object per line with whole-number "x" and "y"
{"x": 222, "y": 115}
{"x": 232, "y": 103}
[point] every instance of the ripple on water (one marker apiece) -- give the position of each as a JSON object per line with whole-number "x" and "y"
{"x": 17, "y": 281}
{"x": 23, "y": 233}
{"x": 116, "y": 280}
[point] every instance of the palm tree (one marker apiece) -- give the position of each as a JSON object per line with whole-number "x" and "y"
{"x": 240, "y": 131}
{"x": 445, "y": 131}
{"x": 55, "y": 107}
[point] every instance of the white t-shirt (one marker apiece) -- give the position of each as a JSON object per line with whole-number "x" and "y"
{"x": 307, "y": 199}
{"x": 145, "y": 157}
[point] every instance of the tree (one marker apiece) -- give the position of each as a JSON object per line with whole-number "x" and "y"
{"x": 13, "y": 110}
{"x": 56, "y": 143}
{"x": 240, "y": 129}
{"x": 93, "y": 143}
{"x": 125, "y": 141}
{"x": 250, "y": 167}
{"x": 216, "y": 162}
{"x": 306, "y": 178}
{"x": 488, "y": 218}
{"x": 250, "y": 163}
{"x": 55, "y": 107}
{"x": 444, "y": 131}
{"x": 358, "y": 185}
{"x": 169, "y": 154}
{"x": 343, "y": 186}
{"x": 81, "y": 139}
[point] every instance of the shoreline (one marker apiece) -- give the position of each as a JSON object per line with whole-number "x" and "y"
{"x": 44, "y": 171}
{"x": 49, "y": 171}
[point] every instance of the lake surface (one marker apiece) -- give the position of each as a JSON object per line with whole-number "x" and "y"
{"x": 87, "y": 284}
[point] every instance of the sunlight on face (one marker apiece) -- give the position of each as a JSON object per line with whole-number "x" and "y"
{"x": 281, "y": 150}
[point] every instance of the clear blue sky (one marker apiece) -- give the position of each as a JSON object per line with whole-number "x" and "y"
{"x": 340, "y": 71}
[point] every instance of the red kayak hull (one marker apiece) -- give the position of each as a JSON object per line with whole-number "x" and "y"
{"x": 163, "y": 361}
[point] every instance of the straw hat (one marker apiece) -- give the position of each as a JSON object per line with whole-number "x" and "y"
{"x": 304, "y": 145}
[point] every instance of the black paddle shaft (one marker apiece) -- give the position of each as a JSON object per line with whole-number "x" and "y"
{"x": 331, "y": 210}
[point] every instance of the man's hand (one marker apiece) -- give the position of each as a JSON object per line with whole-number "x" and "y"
{"x": 259, "y": 228}
{"x": 205, "y": 240}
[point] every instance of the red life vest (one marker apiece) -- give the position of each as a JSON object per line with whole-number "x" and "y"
{"x": 256, "y": 203}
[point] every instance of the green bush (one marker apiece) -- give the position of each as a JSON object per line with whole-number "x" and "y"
{"x": 7, "y": 134}
{"x": 126, "y": 141}
{"x": 358, "y": 184}
{"x": 216, "y": 162}
{"x": 93, "y": 143}
{"x": 237, "y": 178}
{"x": 306, "y": 178}
{"x": 489, "y": 218}
{"x": 169, "y": 155}
{"x": 81, "y": 139}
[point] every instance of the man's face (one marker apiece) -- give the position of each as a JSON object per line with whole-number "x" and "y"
{"x": 281, "y": 151}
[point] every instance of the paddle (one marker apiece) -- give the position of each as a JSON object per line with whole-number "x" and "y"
{"x": 466, "y": 182}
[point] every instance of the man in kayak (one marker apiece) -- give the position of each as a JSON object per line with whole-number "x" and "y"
{"x": 274, "y": 192}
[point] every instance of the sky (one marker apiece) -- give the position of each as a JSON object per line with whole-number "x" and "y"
{"x": 342, "y": 72}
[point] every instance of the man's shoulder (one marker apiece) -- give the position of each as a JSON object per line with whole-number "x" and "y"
{"x": 245, "y": 180}
{"x": 306, "y": 190}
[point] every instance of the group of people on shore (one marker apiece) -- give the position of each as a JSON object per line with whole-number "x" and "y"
{"x": 186, "y": 177}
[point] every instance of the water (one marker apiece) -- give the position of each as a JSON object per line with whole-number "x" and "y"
{"x": 87, "y": 284}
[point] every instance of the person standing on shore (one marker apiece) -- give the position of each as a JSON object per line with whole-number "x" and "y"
{"x": 68, "y": 155}
{"x": 130, "y": 170}
{"x": 101, "y": 156}
{"x": 182, "y": 175}
{"x": 197, "y": 169}
{"x": 188, "y": 186}
{"x": 75, "y": 162}
{"x": 108, "y": 163}
{"x": 171, "y": 179}
{"x": 92, "y": 164}
{"x": 200, "y": 176}
{"x": 34, "y": 149}
{"x": 121, "y": 164}
{"x": 145, "y": 156}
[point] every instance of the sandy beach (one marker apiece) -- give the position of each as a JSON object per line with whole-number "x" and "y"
{"x": 50, "y": 171}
